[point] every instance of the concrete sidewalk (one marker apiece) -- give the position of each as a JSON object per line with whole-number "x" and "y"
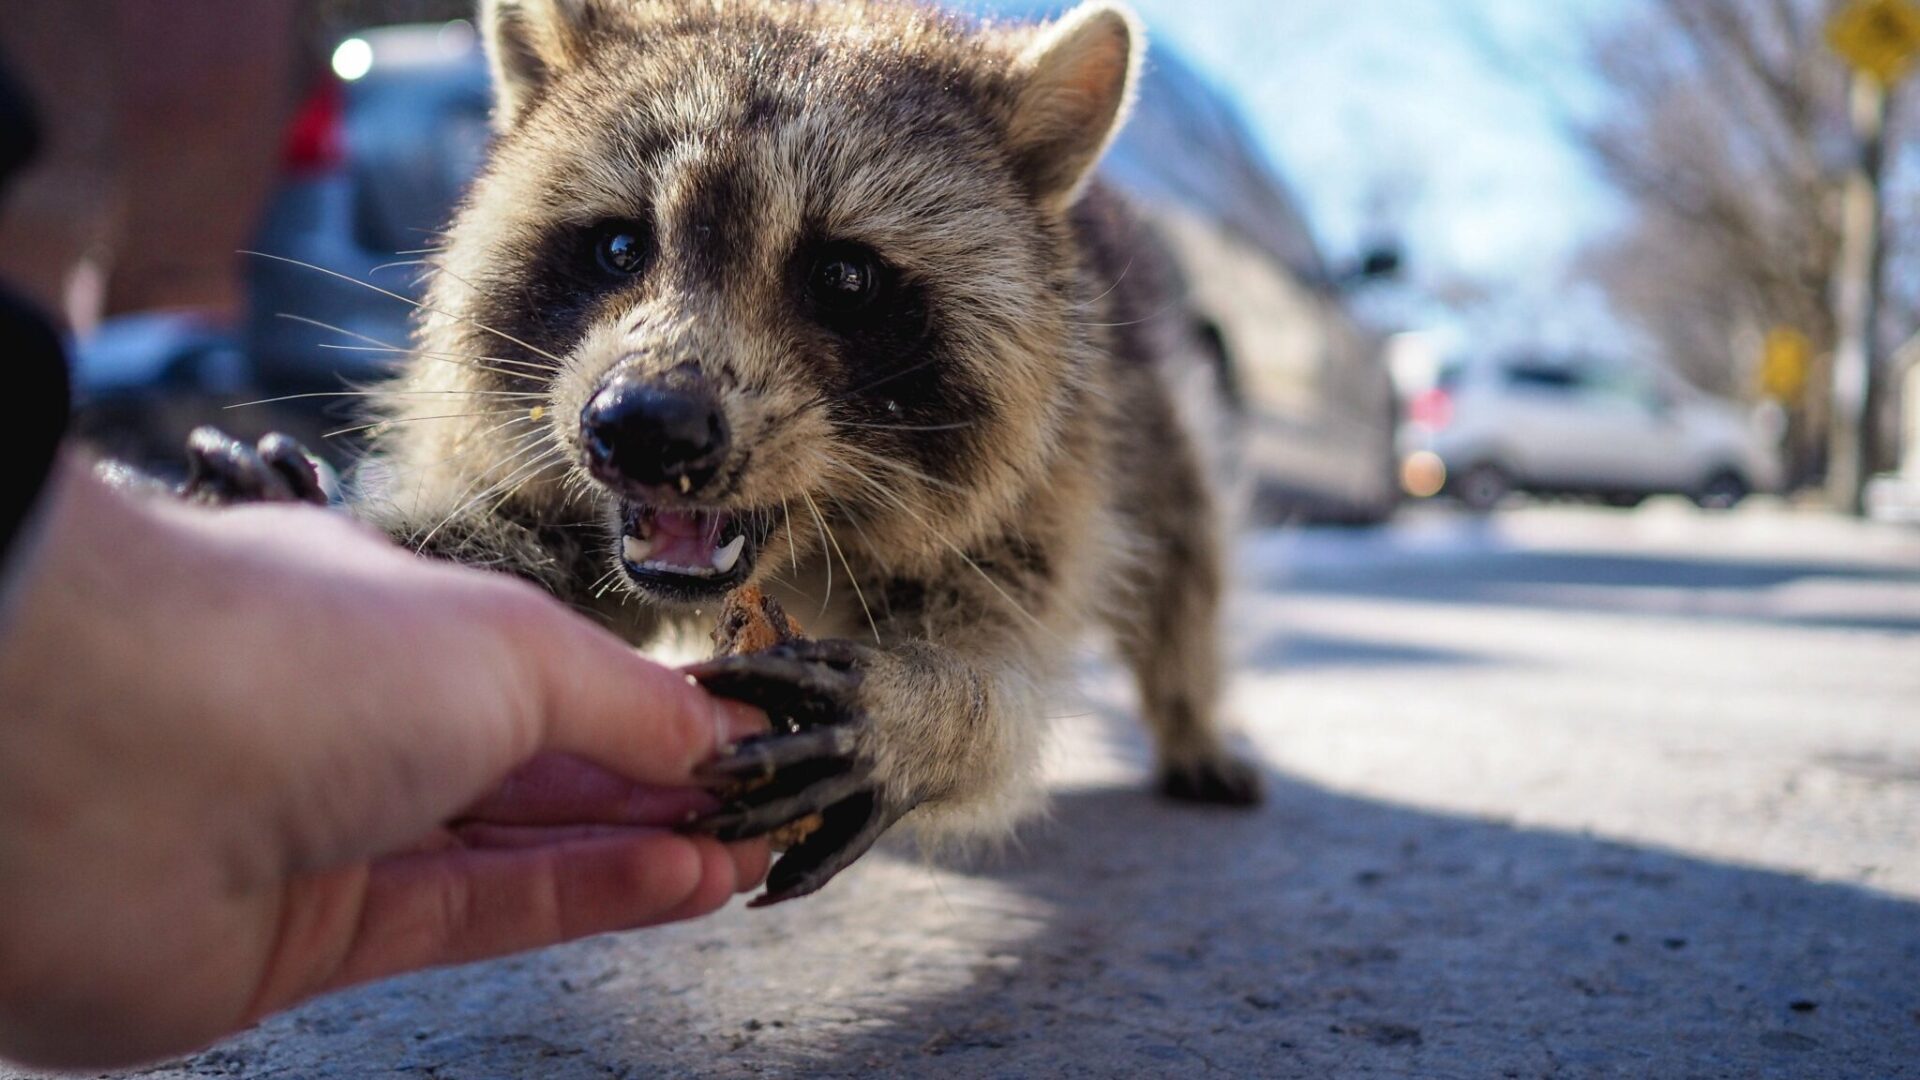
{"x": 1573, "y": 794}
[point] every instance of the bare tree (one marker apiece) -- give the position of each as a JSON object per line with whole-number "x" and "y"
{"x": 1725, "y": 127}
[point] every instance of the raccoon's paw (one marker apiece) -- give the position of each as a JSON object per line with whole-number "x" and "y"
{"x": 1221, "y": 780}
{"x": 815, "y": 762}
{"x": 223, "y": 471}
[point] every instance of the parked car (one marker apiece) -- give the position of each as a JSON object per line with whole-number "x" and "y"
{"x": 374, "y": 163}
{"x": 377, "y": 160}
{"x": 1571, "y": 425}
{"x": 1318, "y": 405}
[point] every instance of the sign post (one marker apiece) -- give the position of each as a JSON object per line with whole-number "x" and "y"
{"x": 1880, "y": 39}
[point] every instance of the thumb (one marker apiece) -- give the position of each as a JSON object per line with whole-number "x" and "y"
{"x": 600, "y": 700}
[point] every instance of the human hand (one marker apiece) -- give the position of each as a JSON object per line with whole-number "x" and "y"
{"x": 253, "y": 756}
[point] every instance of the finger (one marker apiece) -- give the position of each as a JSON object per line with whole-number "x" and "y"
{"x": 751, "y": 861}
{"x": 425, "y": 911}
{"x": 602, "y": 701}
{"x": 482, "y": 836}
{"x": 558, "y": 789}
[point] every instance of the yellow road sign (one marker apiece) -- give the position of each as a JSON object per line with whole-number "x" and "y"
{"x": 1784, "y": 368}
{"x": 1878, "y": 37}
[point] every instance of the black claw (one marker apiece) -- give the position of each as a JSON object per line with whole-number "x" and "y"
{"x": 743, "y": 821}
{"x": 850, "y": 830}
{"x": 294, "y": 465}
{"x": 760, "y": 760}
{"x": 783, "y": 686}
{"x": 815, "y": 765}
{"x": 222, "y": 470}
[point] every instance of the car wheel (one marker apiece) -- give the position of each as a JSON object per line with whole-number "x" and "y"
{"x": 1482, "y": 487}
{"x": 1623, "y": 500}
{"x": 1721, "y": 491}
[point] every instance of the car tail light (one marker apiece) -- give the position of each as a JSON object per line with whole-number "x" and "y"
{"x": 1431, "y": 409}
{"x": 316, "y": 139}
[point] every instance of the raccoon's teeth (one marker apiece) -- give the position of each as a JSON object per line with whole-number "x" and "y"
{"x": 681, "y": 571}
{"x": 726, "y": 558}
{"x": 636, "y": 550}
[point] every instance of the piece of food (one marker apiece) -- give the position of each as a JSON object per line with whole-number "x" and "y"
{"x": 751, "y": 622}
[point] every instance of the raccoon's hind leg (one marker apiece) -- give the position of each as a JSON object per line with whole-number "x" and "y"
{"x": 1169, "y": 634}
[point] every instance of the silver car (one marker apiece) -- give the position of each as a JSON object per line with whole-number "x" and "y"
{"x": 1557, "y": 425}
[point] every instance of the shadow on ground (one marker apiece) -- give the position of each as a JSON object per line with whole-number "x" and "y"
{"x": 1333, "y": 934}
{"x": 1321, "y": 935}
{"x": 1330, "y": 935}
{"x": 1620, "y": 584}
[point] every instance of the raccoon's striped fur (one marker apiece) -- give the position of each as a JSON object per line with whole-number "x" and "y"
{"x": 941, "y": 357}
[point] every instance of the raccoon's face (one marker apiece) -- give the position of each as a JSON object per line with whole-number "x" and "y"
{"x": 794, "y": 275}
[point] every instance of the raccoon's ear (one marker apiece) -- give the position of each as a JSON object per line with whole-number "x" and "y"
{"x": 1076, "y": 84}
{"x": 529, "y": 43}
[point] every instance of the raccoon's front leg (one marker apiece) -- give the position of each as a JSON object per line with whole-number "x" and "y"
{"x": 863, "y": 735}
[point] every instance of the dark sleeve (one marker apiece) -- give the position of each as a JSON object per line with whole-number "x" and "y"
{"x": 35, "y": 364}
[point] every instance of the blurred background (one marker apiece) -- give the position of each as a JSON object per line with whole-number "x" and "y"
{"x": 1600, "y": 249}
{"x": 1574, "y": 344}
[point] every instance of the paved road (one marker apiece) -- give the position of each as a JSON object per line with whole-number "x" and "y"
{"x": 1568, "y": 794}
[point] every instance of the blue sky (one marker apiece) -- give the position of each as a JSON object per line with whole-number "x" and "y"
{"x": 1395, "y": 116}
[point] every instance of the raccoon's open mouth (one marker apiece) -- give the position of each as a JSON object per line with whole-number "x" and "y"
{"x": 689, "y": 555}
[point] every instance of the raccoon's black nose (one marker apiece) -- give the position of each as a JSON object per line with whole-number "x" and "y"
{"x": 655, "y": 435}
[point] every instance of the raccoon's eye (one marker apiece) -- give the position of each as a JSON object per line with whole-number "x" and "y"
{"x": 845, "y": 280}
{"x": 622, "y": 248}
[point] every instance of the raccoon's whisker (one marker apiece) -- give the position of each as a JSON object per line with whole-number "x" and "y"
{"x": 881, "y": 490}
{"x": 901, "y": 374}
{"x": 901, "y": 427}
{"x": 854, "y": 520}
{"x": 531, "y": 471}
{"x": 462, "y": 280}
{"x": 478, "y": 442}
{"x": 466, "y": 503}
{"x": 470, "y": 446}
{"x": 604, "y": 583}
{"x": 854, "y": 580}
{"x": 793, "y": 550}
{"x": 1128, "y": 269}
{"x": 903, "y": 469}
{"x": 1144, "y": 319}
{"x": 389, "y": 393}
{"x": 507, "y": 488}
{"x": 341, "y": 330}
{"x": 470, "y": 321}
{"x": 391, "y": 347}
{"x": 419, "y": 420}
{"x": 399, "y": 263}
{"x": 445, "y": 358}
{"x": 820, "y": 522}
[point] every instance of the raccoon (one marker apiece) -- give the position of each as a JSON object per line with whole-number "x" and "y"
{"x": 824, "y": 297}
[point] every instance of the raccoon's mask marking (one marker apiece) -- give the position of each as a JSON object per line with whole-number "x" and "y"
{"x": 795, "y": 273}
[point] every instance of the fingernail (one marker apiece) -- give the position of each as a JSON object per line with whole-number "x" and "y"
{"x": 739, "y": 722}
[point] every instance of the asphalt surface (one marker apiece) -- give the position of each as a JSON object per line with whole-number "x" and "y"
{"x": 1570, "y": 793}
